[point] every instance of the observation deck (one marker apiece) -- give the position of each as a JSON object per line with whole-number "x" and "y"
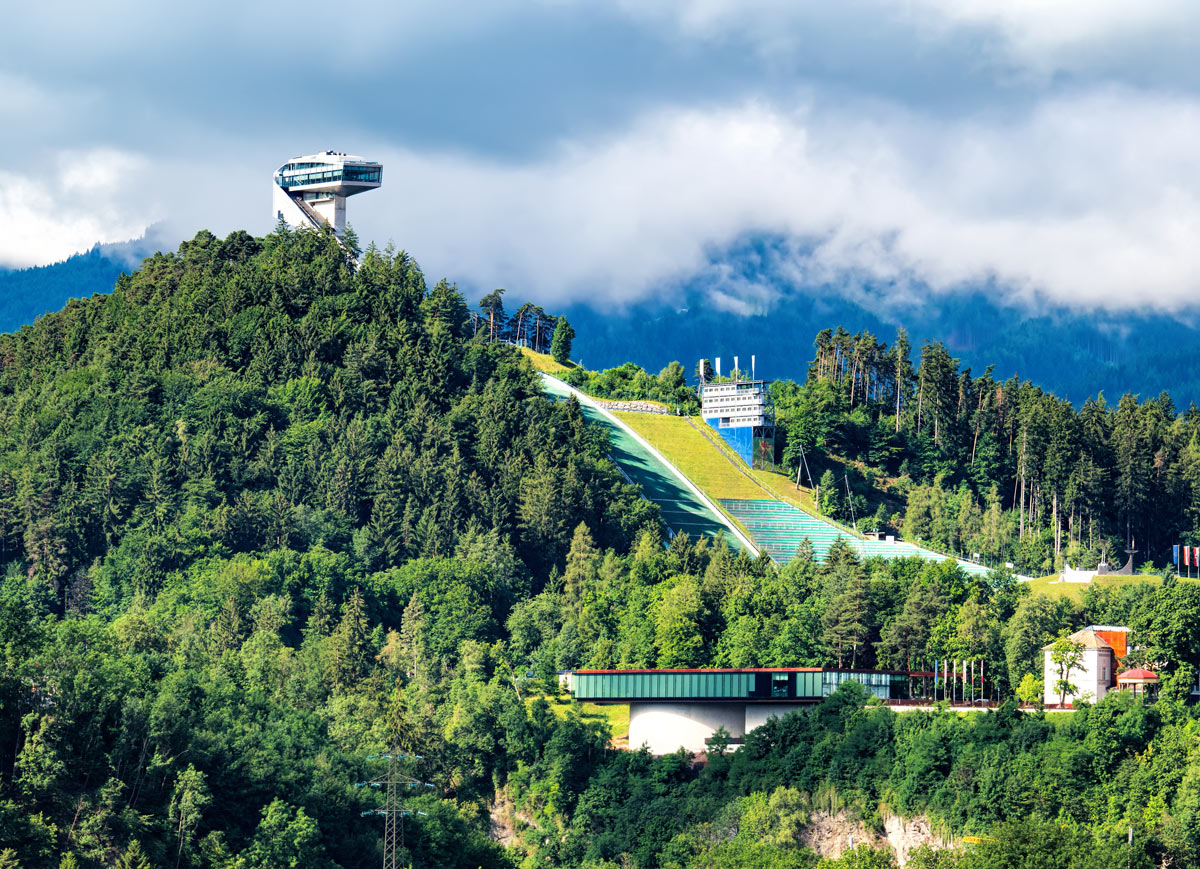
{"x": 312, "y": 190}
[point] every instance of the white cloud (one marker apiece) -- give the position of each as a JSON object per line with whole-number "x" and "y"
{"x": 91, "y": 196}
{"x": 1034, "y": 28}
{"x": 1092, "y": 200}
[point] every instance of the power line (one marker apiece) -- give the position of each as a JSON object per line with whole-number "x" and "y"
{"x": 394, "y": 784}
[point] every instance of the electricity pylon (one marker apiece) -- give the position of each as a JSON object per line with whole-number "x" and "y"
{"x": 394, "y": 784}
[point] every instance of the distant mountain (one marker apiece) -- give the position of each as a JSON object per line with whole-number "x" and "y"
{"x": 26, "y": 294}
{"x": 1074, "y": 354}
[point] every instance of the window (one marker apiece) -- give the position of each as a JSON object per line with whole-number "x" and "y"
{"x": 779, "y": 684}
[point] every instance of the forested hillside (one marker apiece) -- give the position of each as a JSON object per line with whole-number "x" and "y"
{"x": 1074, "y": 354}
{"x": 972, "y": 464}
{"x": 28, "y": 293}
{"x": 263, "y": 516}
{"x": 220, "y": 487}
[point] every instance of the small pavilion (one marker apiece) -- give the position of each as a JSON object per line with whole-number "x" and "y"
{"x": 1137, "y": 680}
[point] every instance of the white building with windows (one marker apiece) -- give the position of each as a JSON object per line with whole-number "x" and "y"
{"x": 732, "y": 405}
{"x": 1103, "y": 648}
{"x": 739, "y": 410}
{"x": 311, "y": 191}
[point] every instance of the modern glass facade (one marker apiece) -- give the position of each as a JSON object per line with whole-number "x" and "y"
{"x": 363, "y": 174}
{"x": 697, "y": 685}
{"x": 877, "y": 684}
{"x": 664, "y": 685}
{"x": 326, "y": 173}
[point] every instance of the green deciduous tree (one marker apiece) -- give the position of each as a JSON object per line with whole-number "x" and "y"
{"x": 678, "y": 618}
{"x": 1066, "y": 655}
{"x": 189, "y": 799}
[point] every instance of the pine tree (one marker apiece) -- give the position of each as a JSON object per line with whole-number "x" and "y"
{"x": 845, "y": 622}
{"x": 582, "y": 562}
{"x": 829, "y": 499}
{"x": 132, "y": 858}
{"x": 492, "y": 307}
{"x": 412, "y": 634}
{"x": 349, "y": 653}
{"x": 560, "y": 344}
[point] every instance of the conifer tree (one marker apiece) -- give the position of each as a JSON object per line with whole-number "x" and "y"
{"x": 133, "y": 857}
{"x": 349, "y": 652}
{"x": 560, "y": 344}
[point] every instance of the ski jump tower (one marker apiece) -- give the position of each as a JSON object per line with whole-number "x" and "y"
{"x": 311, "y": 191}
{"x": 740, "y": 411}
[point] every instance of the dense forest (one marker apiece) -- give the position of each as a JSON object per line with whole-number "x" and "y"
{"x": 971, "y": 464}
{"x": 265, "y": 515}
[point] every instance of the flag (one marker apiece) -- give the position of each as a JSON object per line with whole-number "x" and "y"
{"x": 1187, "y": 556}
{"x": 1175, "y": 552}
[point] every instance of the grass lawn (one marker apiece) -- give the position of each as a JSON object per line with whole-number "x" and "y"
{"x": 688, "y": 450}
{"x": 617, "y": 716}
{"x": 785, "y": 489}
{"x": 1049, "y": 585}
{"x": 545, "y": 362}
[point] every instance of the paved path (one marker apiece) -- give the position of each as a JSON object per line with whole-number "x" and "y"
{"x": 684, "y": 507}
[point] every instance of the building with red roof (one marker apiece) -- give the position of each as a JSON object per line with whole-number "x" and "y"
{"x": 1103, "y": 648}
{"x": 1138, "y": 680}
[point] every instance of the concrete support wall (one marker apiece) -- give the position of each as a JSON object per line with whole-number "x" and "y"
{"x": 283, "y": 206}
{"x": 758, "y": 713}
{"x": 666, "y": 727}
{"x": 334, "y": 212}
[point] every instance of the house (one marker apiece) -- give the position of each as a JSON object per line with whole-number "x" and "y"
{"x": 1103, "y": 648}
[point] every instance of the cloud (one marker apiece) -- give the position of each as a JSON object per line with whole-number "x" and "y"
{"x": 1035, "y": 30}
{"x": 82, "y": 198}
{"x": 1150, "y": 39}
{"x": 605, "y": 151}
{"x": 1087, "y": 200}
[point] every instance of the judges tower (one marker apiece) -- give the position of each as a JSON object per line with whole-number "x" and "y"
{"x": 740, "y": 411}
{"x": 311, "y": 191}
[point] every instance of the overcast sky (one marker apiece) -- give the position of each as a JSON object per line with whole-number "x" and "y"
{"x": 601, "y": 150}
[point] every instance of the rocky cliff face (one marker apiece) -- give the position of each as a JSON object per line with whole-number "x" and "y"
{"x": 832, "y": 834}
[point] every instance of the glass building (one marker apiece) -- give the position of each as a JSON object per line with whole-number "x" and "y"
{"x": 311, "y": 190}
